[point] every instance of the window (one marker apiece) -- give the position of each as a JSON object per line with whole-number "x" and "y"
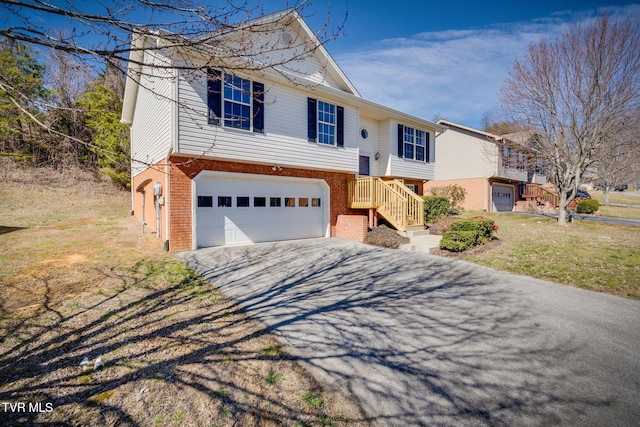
{"x": 242, "y": 202}
{"x": 259, "y": 202}
{"x": 224, "y": 201}
{"x": 315, "y": 202}
{"x": 235, "y": 102}
{"x": 275, "y": 202}
{"x": 413, "y": 143}
{"x": 413, "y": 187}
{"x": 290, "y": 202}
{"x": 325, "y": 123}
{"x": 303, "y": 202}
{"x": 521, "y": 161}
{"x": 540, "y": 168}
{"x": 506, "y": 157}
{"x": 205, "y": 201}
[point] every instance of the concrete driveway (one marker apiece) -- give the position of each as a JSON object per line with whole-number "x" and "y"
{"x": 422, "y": 340}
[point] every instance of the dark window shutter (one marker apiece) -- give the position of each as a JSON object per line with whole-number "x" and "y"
{"x": 312, "y": 114}
{"x": 340, "y": 127}
{"x": 400, "y": 140}
{"x": 214, "y": 95}
{"x": 429, "y": 158}
{"x": 258, "y": 107}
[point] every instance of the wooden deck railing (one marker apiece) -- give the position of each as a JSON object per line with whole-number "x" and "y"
{"x": 541, "y": 194}
{"x": 415, "y": 203}
{"x": 392, "y": 199}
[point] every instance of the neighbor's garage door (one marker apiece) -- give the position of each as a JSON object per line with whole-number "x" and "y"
{"x": 502, "y": 197}
{"x": 242, "y": 208}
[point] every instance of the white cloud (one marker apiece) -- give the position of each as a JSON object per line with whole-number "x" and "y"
{"x": 455, "y": 74}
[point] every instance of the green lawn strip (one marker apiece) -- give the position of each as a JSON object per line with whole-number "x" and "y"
{"x": 600, "y": 257}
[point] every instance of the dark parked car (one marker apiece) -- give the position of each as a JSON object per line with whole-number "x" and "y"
{"x": 581, "y": 194}
{"x": 621, "y": 187}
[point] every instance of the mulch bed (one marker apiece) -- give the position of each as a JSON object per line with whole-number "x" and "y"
{"x": 385, "y": 237}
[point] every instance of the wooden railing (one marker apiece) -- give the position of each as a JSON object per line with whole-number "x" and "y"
{"x": 541, "y": 194}
{"x": 361, "y": 193}
{"x": 415, "y": 203}
{"x": 392, "y": 199}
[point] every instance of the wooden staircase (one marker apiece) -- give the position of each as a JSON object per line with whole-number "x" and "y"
{"x": 393, "y": 200}
{"x": 541, "y": 195}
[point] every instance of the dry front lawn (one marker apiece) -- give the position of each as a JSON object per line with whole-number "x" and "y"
{"x": 78, "y": 280}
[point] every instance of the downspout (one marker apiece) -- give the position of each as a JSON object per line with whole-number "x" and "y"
{"x": 487, "y": 193}
{"x": 167, "y": 203}
{"x": 173, "y": 148}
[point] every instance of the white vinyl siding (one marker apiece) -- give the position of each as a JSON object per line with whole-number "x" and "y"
{"x": 151, "y": 128}
{"x": 284, "y": 141}
{"x": 312, "y": 67}
{"x": 370, "y": 146}
{"x": 408, "y": 168}
{"x": 463, "y": 155}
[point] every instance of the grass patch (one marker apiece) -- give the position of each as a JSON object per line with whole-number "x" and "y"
{"x": 596, "y": 256}
{"x": 272, "y": 350}
{"x": 620, "y": 212}
{"x": 177, "y": 417}
{"x": 273, "y": 378}
{"x": 79, "y": 278}
{"x": 314, "y": 400}
{"x": 104, "y": 396}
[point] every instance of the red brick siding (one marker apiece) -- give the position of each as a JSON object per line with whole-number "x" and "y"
{"x": 183, "y": 171}
{"x": 352, "y": 227}
{"x": 417, "y": 182}
{"x": 156, "y": 174}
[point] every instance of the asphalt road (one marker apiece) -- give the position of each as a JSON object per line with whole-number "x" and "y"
{"x": 418, "y": 339}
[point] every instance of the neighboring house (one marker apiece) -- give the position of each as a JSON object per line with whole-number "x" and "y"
{"x": 237, "y": 156}
{"x": 492, "y": 168}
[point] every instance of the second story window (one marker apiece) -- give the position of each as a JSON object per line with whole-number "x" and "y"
{"x": 325, "y": 122}
{"x": 235, "y": 102}
{"x": 413, "y": 143}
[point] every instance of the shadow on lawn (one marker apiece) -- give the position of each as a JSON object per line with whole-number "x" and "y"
{"x": 418, "y": 340}
{"x": 171, "y": 345}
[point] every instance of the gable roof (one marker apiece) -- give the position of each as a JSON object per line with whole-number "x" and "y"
{"x": 345, "y": 90}
{"x": 283, "y": 19}
{"x": 478, "y": 132}
{"x": 291, "y": 17}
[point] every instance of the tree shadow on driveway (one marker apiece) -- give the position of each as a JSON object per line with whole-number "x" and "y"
{"x": 416, "y": 339}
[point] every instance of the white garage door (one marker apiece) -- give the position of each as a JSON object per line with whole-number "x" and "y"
{"x": 233, "y": 209}
{"x": 502, "y": 197}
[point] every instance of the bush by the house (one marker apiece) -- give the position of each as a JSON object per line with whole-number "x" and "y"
{"x": 467, "y": 233}
{"x": 454, "y": 193}
{"x": 435, "y": 207}
{"x": 587, "y": 206}
{"x": 458, "y": 241}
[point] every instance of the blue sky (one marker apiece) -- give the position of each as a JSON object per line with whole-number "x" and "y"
{"x": 430, "y": 59}
{"x": 444, "y": 59}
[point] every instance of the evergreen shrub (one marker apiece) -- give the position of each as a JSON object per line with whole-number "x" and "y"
{"x": 587, "y": 206}
{"x": 435, "y": 207}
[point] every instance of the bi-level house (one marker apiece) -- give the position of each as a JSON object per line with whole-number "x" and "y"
{"x": 234, "y": 153}
{"x": 497, "y": 171}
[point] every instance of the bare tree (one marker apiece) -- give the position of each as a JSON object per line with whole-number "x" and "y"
{"x": 574, "y": 93}
{"x": 68, "y": 80}
{"x": 102, "y": 35}
{"x": 619, "y": 161}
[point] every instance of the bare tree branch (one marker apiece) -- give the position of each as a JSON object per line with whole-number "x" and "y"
{"x": 572, "y": 93}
